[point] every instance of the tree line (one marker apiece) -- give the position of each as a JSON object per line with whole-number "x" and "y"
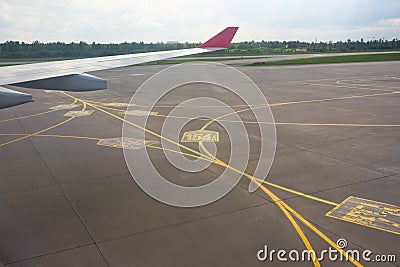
{"x": 36, "y": 49}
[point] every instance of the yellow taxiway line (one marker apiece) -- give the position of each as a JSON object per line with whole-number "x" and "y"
{"x": 33, "y": 115}
{"x": 53, "y": 135}
{"x": 281, "y": 204}
{"x": 41, "y": 131}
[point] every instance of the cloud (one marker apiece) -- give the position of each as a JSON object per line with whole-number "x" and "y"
{"x": 151, "y": 20}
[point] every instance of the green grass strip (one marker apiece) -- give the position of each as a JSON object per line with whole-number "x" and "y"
{"x": 333, "y": 59}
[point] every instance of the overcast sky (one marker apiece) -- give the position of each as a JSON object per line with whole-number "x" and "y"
{"x": 194, "y": 21}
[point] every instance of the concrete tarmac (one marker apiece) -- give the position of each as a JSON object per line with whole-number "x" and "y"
{"x": 66, "y": 200}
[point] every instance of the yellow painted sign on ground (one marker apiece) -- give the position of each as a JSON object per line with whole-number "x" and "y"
{"x": 78, "y": 113}
{"x": 126, "y": 143}
{"x": 378, "y": 215}
{"x": 200, "y": 136}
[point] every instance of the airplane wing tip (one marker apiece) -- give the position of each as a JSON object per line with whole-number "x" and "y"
{"x": 222, "y": 40}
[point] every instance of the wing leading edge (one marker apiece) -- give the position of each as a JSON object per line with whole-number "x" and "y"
{"x": 69, "y": 75}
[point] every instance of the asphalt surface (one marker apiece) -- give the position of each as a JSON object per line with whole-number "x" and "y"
{"x": 67, "y": 201}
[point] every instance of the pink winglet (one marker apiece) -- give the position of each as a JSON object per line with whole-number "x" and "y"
{"x": 222, "y": 39}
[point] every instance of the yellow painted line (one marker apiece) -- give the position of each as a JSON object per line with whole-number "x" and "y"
{"x": 280, "y": 203}
{"x": 212, "y": 158}
{"x": 322, "y": 235}
{"x": 163, "y": 106}
{"x": 273, "y": 104}
{"x": 297, "y": 192}
{"x": 84, "y": 106}
{"x": 115, "y": 109}
{"x": 337, "y": 124}
{"x": 69, "y": 136}
{"x": 294, "y": 223}
{"x": 41, "y": 131}
{"x": 332, "y": 99}
{"x": 180, "y": 152}
{"x": 284, "y": 207}
{"x": 276, "y": 104}
{"x": 259, "y": 180}
{"x": 200, "y": 155}
{"x": 29, "y": 116}
{"x": 296, "y": 102}
{"x": 135, "y": 125}
{"x": 36, "y": 133}
{"x": 53, "y": 135}
{"x": 312, "y": 227}
{"x": 275, "y": 199}
{"x": 284, "y": 123}
{"x": 347, "y": 87}
{"x": 288, "y": 123}
{"x": 33, "y": 115}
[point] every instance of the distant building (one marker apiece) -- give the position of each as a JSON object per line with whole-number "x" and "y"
{"x": 296, "y": 50}
{"x": 172, "y": 42}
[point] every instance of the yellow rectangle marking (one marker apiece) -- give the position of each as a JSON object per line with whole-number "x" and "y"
{"x": 200, "y": 136}
{"x": 370, "y": 213}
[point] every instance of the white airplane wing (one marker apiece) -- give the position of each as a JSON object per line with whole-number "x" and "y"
{"x": 69, "y": 75}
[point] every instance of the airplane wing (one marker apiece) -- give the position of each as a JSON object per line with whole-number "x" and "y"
{"x": 70, "y": 75}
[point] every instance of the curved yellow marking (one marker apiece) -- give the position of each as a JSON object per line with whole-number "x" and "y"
{"x": 324, "y": 237}
{"x": 41, "y": 131}
{"x": 276, "y": 200}
{"x": 34, "y": 115}
{"x": 135, "y": 125}
{"x": 282, "y": 205}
